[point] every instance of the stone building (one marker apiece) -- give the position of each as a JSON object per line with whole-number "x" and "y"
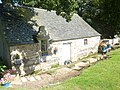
{"x": 47, "y": 37}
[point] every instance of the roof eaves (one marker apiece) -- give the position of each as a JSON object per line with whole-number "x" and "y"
{"x": 75, "y": 38}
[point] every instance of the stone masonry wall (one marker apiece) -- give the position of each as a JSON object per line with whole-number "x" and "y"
{"x": 28, "y": 57}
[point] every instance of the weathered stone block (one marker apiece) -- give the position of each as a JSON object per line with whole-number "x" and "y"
{"x": 82, "y": 64}
{"x": 92, "y": 60}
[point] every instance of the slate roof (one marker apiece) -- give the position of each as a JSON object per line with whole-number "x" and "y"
{"x": 19, "y": 33}
{"x": 16, "y": 31}
{"x": 59, "y": 29}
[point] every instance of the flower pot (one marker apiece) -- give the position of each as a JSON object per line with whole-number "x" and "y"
{"x": 6, "y": 84}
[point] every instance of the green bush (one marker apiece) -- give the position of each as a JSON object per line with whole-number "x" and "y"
{"x": 2, "y": 67}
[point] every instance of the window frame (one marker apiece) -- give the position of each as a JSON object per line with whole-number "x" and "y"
{"x": 85, "y": 41}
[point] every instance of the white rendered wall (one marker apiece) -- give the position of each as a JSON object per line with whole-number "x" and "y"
{"x": 77, "y": 48}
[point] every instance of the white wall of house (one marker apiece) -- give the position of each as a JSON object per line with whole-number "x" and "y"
{"x": 74, "y": 49}
{"x": 114, "y": 41}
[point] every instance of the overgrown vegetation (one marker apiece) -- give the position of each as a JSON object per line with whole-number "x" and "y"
{"x": 2, "y": 67}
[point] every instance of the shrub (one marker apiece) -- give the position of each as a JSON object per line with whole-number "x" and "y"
{"x": 2, "y": 69}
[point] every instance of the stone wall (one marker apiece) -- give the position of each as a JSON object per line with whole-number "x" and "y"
{"x": 28, "y": 57}
{"x": 29, "y": 51}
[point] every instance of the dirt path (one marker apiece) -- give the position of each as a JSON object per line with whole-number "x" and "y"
{"x": 37, "y": 81}
{"x": 46, "y": 79}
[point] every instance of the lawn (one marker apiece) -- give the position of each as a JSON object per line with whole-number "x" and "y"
{"x": 104, "y": 75}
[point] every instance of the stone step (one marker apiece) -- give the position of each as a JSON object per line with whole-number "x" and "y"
{"x": 24, "y": 79}
{"x": 77, "y": 68}
{"x": 37, "y": 77}
{"x": 31, "y": 78}
{"x": 16, "y": 81}
{"x": 82, "y": 64}
{"x": 92, "y": 60}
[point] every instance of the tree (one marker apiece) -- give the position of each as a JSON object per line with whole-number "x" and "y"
{"x": 110, "y": 16}
{"x": 87, "y": 8}
{"x": 103, "y": 15}
{"x": 64, "y": 8}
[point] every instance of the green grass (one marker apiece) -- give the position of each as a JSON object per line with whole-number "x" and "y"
{"x": 55, "y": 66}
{"x": 105, "y": 75}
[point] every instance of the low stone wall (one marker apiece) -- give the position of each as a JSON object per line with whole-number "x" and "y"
{"x": 28, "y": 51}
{"x": 28, "y": 56}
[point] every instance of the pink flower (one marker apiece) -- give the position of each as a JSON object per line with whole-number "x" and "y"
{"x": 2, "y": 80}
{"x": 7, "y": 77}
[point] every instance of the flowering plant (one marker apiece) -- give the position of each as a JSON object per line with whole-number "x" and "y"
{"x": 6, "y": 79}
{"x": 7, "y": 76}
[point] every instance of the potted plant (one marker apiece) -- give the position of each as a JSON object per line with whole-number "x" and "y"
{"x": 17, "y": 56}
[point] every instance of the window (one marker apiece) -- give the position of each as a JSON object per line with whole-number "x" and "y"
{"x": 85, "y": 41}
{"x": 55, "y": 51}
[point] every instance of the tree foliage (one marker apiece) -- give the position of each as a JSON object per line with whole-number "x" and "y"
{"x": 103, "y": 15}
{"x": 64, "y": 8}
{"x": 110, "y": 14}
